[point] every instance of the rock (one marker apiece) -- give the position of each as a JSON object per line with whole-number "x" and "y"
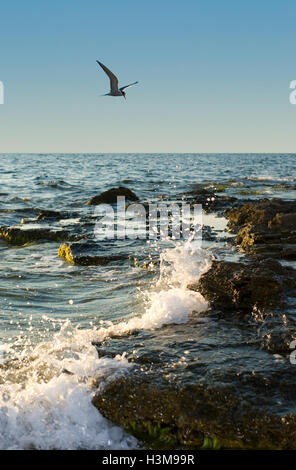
{"x": 241, "y": 287}
{"x": 259, "y": 213}
{"x": 262, "y": 291}
{"x": 277, "y": 340}
{"x": 46, "y": 214}
{"x": 21, "y": 236}
{"x": 88, "y": 253}
{"x": 110, "y": 196}
{"x": 186, "y": 416}
{"x": 266, "y": 228}
{"x": 211, "y": 382}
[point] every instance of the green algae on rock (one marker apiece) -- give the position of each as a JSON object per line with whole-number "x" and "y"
{"x": 87, "y": 253}
{"x": 173, "y": 415}
{"x": 22, "y": 236}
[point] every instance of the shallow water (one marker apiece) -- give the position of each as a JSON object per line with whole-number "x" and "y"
{"x": 52, "y": 312}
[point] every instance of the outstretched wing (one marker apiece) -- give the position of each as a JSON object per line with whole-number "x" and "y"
{"x": 113, "y": 78}
{"x": 127, "y": 86}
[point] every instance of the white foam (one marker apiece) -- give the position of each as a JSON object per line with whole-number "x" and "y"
{"x": 45, "y": 402}
{"x": 170, "y": 301}
{"x": 271, "y": 178}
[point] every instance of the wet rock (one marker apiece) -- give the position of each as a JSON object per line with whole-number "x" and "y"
{"x": 22, "y": 236}
{"x": 110, "y": 196}
{"x": 262, "y": 291}
{"x": 278, "y": 340}
{"x": 212, "y": 382}
{"x": 260, "y": 213}
{"x": 88, "y": 253}
{"x": 46, "y": 214}
{"x": 266, "y": 228}
{"x": 208, "y": 234}
{"x": 240, "y": 287}
{"x": 188, "y": 415}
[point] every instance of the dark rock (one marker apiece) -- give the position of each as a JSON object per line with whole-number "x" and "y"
{"x": 208, "y": 234}
{"x": 88, "y": 253}
{"x": 240, "y": 287}
{"x": 48, "y": 214}
{"x": 190, "y": 414}
{"x": 262, "y": 291}
{"x": 22, "y": 236}
{"x": 278, "y": 340}
{"x": 110, "y": 196}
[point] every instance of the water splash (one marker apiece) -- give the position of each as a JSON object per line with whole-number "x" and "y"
{"x": 46, "y": 393}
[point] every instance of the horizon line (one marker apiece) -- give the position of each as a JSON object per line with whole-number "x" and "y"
{"x": 147, "y": 153}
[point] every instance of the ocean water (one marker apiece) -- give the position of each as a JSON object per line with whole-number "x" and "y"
{"x": 52, "y": 312}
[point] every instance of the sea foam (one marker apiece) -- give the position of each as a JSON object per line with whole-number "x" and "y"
{"x": 46, "y": 394}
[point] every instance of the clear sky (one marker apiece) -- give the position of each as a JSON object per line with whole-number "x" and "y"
{"x": 214, "y": 75}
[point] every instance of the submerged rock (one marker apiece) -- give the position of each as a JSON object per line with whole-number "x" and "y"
{"x": 110, "y": 196}
{"x": 266, "y": 227}
{"x": 241, "y": 287}
{"x": 277, "y": 338}
{"x": 88, "y": 253}
{"x": 47, "y": 214}
{"x": 22, "y": 236}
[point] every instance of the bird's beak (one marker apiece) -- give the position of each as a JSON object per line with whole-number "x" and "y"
{"x": 124, "y": 97}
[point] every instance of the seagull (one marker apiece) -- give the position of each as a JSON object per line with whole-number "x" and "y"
{"x": 114, "y": 90}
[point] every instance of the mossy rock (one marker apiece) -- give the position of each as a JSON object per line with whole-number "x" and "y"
{"x": 88, "y": 253}
{"x": 20, "y": 236}
{"x": 265, "y": 227}
{"x": 191, "y": 417}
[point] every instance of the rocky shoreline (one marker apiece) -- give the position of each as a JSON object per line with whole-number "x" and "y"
{"x": 224, "y": 379}
{"x": 236, "y": 394}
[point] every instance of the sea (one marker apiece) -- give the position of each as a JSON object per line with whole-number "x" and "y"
{"x": 53, "y": 313}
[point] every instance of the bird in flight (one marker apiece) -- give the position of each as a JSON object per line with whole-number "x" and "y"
{"x": 114, "y": 90}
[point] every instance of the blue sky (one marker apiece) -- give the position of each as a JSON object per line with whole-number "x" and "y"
{"x": 214, "y": 76}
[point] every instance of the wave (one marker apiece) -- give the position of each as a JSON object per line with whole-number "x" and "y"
{"x": 46, "y": 392}
{"x": 55, "y": 184}
{"x": 272, "y": 178}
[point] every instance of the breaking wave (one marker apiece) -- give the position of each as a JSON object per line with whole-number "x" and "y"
{"x": 46, "y": 393}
